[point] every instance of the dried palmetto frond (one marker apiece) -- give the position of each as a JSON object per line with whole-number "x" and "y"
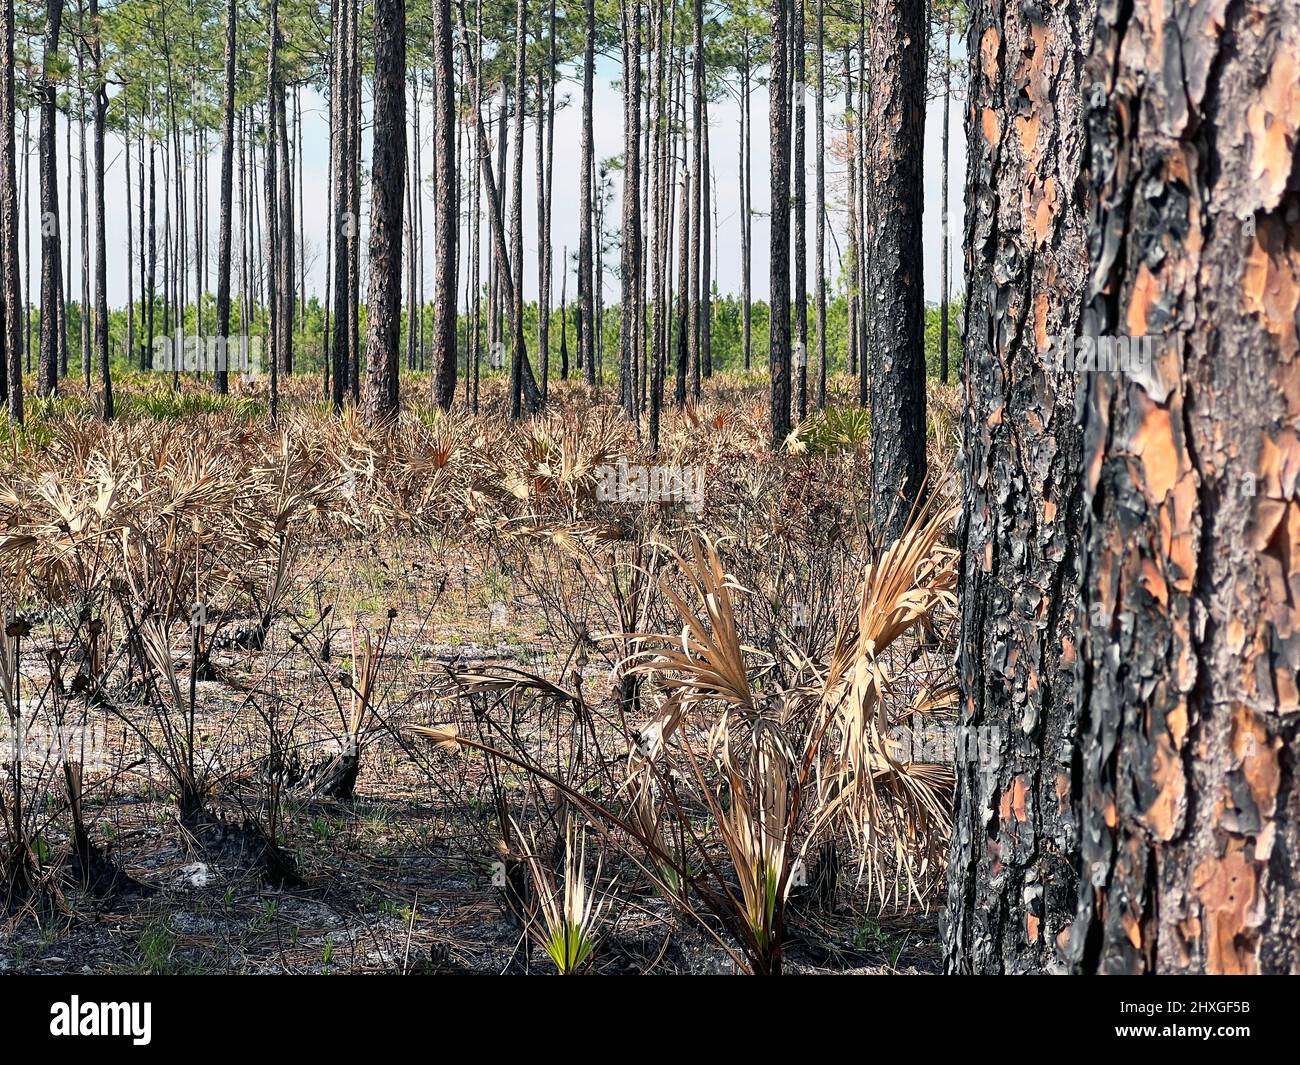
{"x": 898, "y": 810}
{"x": 706, "y": 664}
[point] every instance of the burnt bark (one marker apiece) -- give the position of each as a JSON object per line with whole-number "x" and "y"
{"x": 1011, "y": 877}
{"x": 895, "y": 284}
{"x": 343, "y": 224}
{"x": 820, "y": 205}
{"x": 779, "y": 284}
{"x": 799, "y": 205}
{"x": 227, "y": 195}
{"x": 1189, "y": 809}
{"x": 699, "y": 199}
{"x": 943, "y": 201}
{"x": 630, "y": 263}
{"x": 446, "y": 269}
{"x": 586, "y": 280}
{"x": 52, "y": 321}
{"x": 388, "y": 168}
{"x": 14, "y": 299}
{"x": 100, "y": 100}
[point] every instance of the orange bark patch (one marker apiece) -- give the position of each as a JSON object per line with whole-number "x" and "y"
{"x": 1258, "y": 758}
{"x": 1228, "y": 890}
{"x": 1012, "y": 803}
{"x": 1154, "y": 583}
{"x": 989, "y": 54}
{"x": 1273, "y": 120}
{"x": 991, "y": 126}
{"x": 1271, "y": 283}
{"x": 1153, "y": 443}
{"x": 1164, "y": 815}
{"x": 1041, "y": 305}
{"x": 1146, "y": 290}
{"x": 1132, "y": 928}
{"x": 1044, "y": 211}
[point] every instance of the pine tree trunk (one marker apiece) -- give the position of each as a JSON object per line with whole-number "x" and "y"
{"x": 387, "y": 168}
{"x": 83, "y": 187}
{"x": 1189, "y": 808}
{"x": 1012, "y": 879}
{"x": 586, "y": 281}
{"x": 343, "y": 224}
{"x": 943, "y": 204}
{"x": 275, "y": 304}
{"x": 895, "y": 281}
{"x": 100, "y": 98}
{"x": 225, "y": 224}
{"x": 630, "y": 265}
{"x": 799, "y": 204}
{"x": 354, "y": 75}
{"x": 446, "y": 277}
{"x": 779, "y": 286}
{"x": 698, "y": 197}
{"x": 51, "y": 271}
{"x": 12, "y": 370}
{"x": 706, "y": 257}
{"x": 746, "y": 210}
{"x": 851, "y": 122}
{"x": 821, "y": 204}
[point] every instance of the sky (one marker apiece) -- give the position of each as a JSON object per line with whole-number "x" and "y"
{"x": 724, "y": 117}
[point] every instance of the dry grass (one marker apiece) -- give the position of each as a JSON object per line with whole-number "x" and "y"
{"x": 711, "y": 693}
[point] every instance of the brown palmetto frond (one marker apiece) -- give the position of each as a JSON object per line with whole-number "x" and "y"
{"x": 898, "y": 810}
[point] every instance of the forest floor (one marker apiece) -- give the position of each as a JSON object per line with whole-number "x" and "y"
{"x": 399, "y": 878}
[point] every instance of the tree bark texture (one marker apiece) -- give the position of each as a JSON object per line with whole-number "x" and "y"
{"x": 1012, "y": 879}
{"x": 895, "y": 284}
{"x": 1190, "y": 814}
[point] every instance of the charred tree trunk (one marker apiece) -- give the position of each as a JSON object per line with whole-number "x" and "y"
{"x": 896, "y": 284}
{"x": 446, "y": 269}
{"x": 630, "y": 265}
{"x": 227, "y": 194}
{"x": 52, "y": 323}
{"x": 683, "y": 324}
{"x": 821, "y": 204}
{"x": 275, "y": 305}
{"x": 943, "y": 202}
{"x": 706, "y": 256}
{"x": 354, "y": 75}
{"x": 746, "y": 209}
{"x": 100, "y": 99}
{"x": 800, "y": 207}
{"x": 586, "y": 280}
{"x": 1189, "y": 808}
{"x": 1012, "y": 878}
{"x": 779, "y": 286}
{"x": 854, "y": 301}
{"x": 388, "y": 168}
{"x": 699, "y": 198}
{"x": 343, "y": 224}
{"x": 14, "y": 299}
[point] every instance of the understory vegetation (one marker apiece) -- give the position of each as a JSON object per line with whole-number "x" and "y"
{"x": 325, "y": 697}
